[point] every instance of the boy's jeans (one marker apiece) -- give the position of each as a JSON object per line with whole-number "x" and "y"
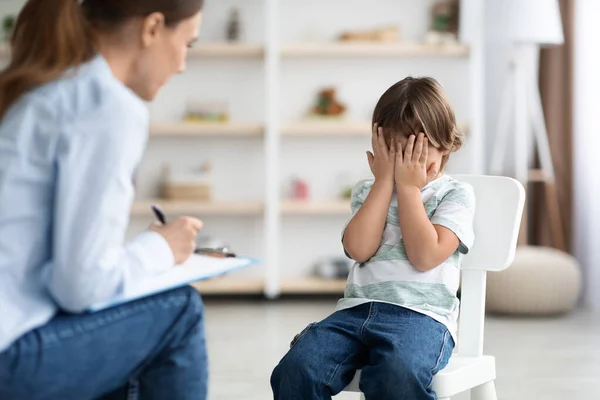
{"x": 156, "y": 343}
{"x": 398, "y": 350}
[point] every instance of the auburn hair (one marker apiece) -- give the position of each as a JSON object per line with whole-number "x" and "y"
{"x": 416, "y": 105}
{"x": 52, "y": 36}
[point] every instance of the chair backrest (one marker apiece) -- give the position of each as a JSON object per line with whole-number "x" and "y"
{"x": 498, "y": 212}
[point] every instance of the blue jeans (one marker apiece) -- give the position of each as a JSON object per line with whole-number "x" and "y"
{"x": 398, "y": 350}
{"x": 155, "y": 345}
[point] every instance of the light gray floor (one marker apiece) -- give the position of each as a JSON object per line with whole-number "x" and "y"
{"x": 549, "y": 359}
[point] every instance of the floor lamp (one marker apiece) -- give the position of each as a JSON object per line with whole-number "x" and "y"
{"x": 521, "y": 128}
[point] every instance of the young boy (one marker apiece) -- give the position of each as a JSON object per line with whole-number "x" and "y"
{"x": 410, "y": 227}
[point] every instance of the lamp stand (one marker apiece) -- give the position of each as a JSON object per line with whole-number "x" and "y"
{"x": 521, "y": 101}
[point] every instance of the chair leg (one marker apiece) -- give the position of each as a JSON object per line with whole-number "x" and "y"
{"x": 487, "y": 391}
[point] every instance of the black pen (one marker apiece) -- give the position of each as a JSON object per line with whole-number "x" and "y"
{"x": 159, "y": 215}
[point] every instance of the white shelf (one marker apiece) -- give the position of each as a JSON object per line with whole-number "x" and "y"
{"x": 319, "y": 128}
{"x": 252, "y": 286}
{"x": 216, "y": 50}
{"x": 312, "y": 286}
{"x": 230, "y": 286}
{"x": 160, "y": 129}
{"x": 334, "y": 128}
{"x": 143, "y": 208}
{"x": 308, "y": 207}
{"x": 235, "y": 50}
{"x": 368, "y": 50}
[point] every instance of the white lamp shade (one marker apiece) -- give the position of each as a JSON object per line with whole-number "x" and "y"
{"x": 536, "y": 22}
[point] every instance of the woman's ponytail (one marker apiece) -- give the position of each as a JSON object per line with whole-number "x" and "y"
{"x": 50, "y": 36}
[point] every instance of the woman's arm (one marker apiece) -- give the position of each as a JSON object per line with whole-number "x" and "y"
{"x": 363, "y": 234}
{"x": 92, "y": 202}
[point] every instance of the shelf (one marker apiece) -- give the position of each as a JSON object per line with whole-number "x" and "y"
{"x": 253, "y": 286}
{"x": 142, "y": 208}
{"x": 365, "y": 49}
{"x": 160, "y": 129}
{"x": 229, "y": 50}
{"x": 326, "y": 128}
{"x": 334, "y": 128}
{"x": 216, "y": 50}
{"x": 312, "y": 286}
{"x": 230, "y": 286}
{"x": 300, "y": 207}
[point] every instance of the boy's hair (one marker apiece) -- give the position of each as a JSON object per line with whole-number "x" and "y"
{"x": 416, "y": 105}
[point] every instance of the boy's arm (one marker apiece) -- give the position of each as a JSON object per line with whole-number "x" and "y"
{"x": 362, "y": 236}
{"x": 427, "y": 245}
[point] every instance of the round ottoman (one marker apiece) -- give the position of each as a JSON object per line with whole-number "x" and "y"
{"x": 541, "y": 281}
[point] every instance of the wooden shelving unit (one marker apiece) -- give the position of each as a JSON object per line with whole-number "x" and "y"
{"x": 174, "y": 129}
{"x": 334, "y": 128}
{"x": 342, "y": 49}
{"x": 333, "y": 207}
{"x": 229, "y": 50}
{"x": 312, "y": 286}
{"x": 201, "y": 50}
{"x": 143, "y": 208}
{"x": 230, "y": 286}
{"x": 251, "y": 286}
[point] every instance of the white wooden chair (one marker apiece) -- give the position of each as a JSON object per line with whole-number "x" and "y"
{"x": 498, "y": 214}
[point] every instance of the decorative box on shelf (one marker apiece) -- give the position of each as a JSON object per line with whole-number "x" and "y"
{"x": 196, "y": 185}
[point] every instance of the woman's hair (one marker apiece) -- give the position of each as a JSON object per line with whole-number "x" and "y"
{"x": 416, "y": 105}
{"x": 51, "y": 36}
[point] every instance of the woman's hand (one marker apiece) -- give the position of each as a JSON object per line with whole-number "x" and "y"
{"x": 411, "y": 165}
{"x": 381, "y": 161}
{"x": 180, "y": 234}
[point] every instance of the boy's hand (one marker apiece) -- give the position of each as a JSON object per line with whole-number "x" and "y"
{"x": 411, "y": 165}
{"x": 383, "y": 159}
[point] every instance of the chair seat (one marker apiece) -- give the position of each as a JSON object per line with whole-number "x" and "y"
{"x": 461, "y": 374}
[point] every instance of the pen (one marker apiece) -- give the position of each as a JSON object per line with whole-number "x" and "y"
{"x": 219, "y": 252}
{"x": 159, "y": 214}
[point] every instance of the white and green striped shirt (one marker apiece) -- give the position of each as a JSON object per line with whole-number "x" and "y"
{"x": 390, "y": 277}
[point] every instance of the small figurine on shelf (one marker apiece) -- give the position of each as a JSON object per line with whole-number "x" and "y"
{"x": 299, "y": 189}
{"x": 383, "y": 35}
{"x": 328, "y": 105}
{"x": 204, "y": 111}
{"x": 196, "y": 185}
{"x": 444, "y": 23}
{"x": 233, "y": 25}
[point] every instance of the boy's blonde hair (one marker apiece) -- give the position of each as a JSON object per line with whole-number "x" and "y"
{"x": 416, "y": 105}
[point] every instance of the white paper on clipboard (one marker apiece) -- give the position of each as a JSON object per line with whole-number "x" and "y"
{"x": 197, "y": 268}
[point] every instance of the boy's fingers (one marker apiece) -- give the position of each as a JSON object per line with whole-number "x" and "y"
{"x": 383, "y": 149}
{"x": 425, "y": 151}
{"x": 408, "y": 151}
{"x": 374, "y": 137}
{"x": 399, "y": 157}
{"x": 370, "y": 159}
{"x": 418, "y": 150}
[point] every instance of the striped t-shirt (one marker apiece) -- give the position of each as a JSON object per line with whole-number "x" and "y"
{"x": 390, "y": 277}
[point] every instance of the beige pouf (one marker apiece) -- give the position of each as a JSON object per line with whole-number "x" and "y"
{"x": 541, "y": 281}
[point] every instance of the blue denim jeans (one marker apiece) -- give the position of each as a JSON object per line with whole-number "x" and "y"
{"x": 398, "y": 350}
{"x": 155, "y": 345}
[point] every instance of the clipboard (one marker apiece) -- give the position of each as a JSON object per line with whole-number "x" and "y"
{"x": 197, "y": 268}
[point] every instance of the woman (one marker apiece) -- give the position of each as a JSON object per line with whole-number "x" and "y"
{"x": 73, "y": 128}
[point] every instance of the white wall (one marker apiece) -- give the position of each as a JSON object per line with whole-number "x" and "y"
{"x": 586, "y": 145}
